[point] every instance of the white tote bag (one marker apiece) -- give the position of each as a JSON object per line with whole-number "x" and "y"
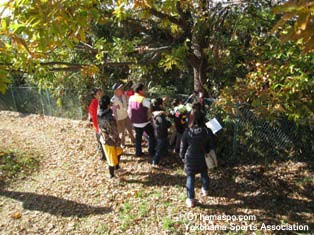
{"x": 211, "y": 159}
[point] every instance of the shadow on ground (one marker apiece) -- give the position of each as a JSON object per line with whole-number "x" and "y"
{"x": 54, "y": 205}
{"x": 275, "y": 196}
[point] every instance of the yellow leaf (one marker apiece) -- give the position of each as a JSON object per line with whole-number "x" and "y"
{"x": 4, "y": 81}
{"x": 282, "y": 22}
{"x": 59, "y": 18}
{"x": 302, "y": 21}
{"x": 289, "y": 6}
{"x": 82, "y": 36}
{"x": 2, "y": 45}
{"x": 309, "y": 46}
{"x": 16, "y": 215}
{"x": 20, "y": 42}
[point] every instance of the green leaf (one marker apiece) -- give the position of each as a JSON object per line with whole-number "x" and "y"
{"x": 4, "y": 81}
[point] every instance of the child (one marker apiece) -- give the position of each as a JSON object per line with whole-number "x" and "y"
{"x": 109, "y": 135}
{"x": 180, "y": 122}
{"x": 171, "y": 115}
{"x": 161, "y": 125}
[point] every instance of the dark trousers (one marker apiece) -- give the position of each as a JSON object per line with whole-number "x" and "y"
{"x": 178, "y": 142}
{"x": 161, "y": 149}
{"x": 100, "y": 148}
{"x": 138, "y": 139}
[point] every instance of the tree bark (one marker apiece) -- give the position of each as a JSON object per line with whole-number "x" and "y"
{"x": 198, "y": 63}
{"x": 199, "y": 77}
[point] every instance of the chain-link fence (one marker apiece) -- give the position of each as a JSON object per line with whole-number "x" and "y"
{"x": 243, "y": 135}
{"x": 32, "y": 100}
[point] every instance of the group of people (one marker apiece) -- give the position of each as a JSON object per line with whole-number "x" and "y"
{"x": 191, "y": 139}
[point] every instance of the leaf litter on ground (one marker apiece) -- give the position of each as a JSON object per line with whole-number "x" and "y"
{"x": 71, "y": 193}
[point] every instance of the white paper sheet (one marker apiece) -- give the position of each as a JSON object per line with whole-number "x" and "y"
{"x": 214, "y": 125}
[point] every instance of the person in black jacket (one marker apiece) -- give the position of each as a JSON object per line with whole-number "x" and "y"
{"x": 180, "y": 118}
{"x": 161, "y": 125}
{"x": 195, "y": 142}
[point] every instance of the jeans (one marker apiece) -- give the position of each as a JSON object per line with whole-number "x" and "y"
{"x": 161, "y": 149}
{"x": 138, "y": 139}
{"x": 190, "y": 180}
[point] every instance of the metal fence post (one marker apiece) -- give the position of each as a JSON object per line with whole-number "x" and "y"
{"x": 14, "y": 101}
{"x": 49, "y": 103}
{"x": 81, "y": 112}
{"x": 42, "y": 101}
{"x": 235, "y": 132}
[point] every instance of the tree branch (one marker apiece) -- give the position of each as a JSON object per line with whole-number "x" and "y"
{"x": 72, "y": 66}
{"x": 161, "y": 15}
{"x": 184, "y": 18}
{"x": 52, "y": 63}
{"x": 143, "y": 49}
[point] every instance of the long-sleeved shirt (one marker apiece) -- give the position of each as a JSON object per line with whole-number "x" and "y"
{"x": 92, "y": 109}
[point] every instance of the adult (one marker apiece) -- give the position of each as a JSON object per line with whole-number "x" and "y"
{"x": 138, "y": 109}
{"x": 196, "y": 141}
{"x": 120, "y": 109}
{"x": 92, "y": 111}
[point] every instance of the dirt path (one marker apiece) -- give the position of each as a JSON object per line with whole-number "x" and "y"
{"x": 70, "y": 193}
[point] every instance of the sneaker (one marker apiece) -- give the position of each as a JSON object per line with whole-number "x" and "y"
{"x": 204, "y": 192}
{"x": 121, "y": 171}
{"x": 190, "y": 202}
{"x": 108, "y": 176}
{"x": 155, "y": 165}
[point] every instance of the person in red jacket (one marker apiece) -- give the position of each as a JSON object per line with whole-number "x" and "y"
{"x": 92, "y": 111}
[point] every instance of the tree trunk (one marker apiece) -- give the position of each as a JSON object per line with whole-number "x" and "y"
{"x": 199, "y": 72}
{"x": 199, "y": 75}
{"x": 198, "y": 63}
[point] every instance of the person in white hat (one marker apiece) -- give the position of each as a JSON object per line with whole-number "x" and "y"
{"x": 120, "y": 107}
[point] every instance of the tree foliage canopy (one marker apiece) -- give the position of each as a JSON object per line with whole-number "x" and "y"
{"x": 231, "y": 50}
{"x": 297, "y": 22}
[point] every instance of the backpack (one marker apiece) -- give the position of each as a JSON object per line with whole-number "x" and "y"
{"x": 161, "y": 125}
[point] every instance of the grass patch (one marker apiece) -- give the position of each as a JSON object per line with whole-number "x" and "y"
{"x": 126, "y": 216}
{"x": 179, "y": 171}
{"x": 155, "y": 195}
{"x": 16, "y": 164}
{"x": 140, "y": 194}
{"x": 168, "y": 224}
{"x": 103, "y": 229}
{"x": 143, "y": 210}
